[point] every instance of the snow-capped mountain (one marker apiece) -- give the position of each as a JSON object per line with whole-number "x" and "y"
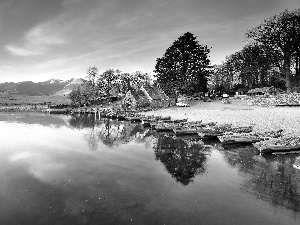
{"x": 49, "y": 87}
{"x": 69, "y": 87}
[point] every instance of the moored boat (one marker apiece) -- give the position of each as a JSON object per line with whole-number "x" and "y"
{"x": 165, "y": 118}
{"x": 238, "y": 139}
{"x": 247, "y": 129}
{"x": 121, "y": 117}
{"x": 209, "y": 133}
{"x": 188, "y": 131}
{"x": 278, "y": 148}
{"x": 146, "y": 123}
{"x": 133, "y": 119}
{"x": 187, "y": 137}
{"x": 164, "y": 127}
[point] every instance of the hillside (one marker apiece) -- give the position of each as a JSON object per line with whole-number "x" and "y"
{"x": 69, "y": 87}
{"x": 46, "y": 88}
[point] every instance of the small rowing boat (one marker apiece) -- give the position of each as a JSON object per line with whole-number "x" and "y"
{"x": 278, "y": 148}
{"x": 209, "y": 133}
{"x": 180, "y": 131}
{"x": 238, "y": 139}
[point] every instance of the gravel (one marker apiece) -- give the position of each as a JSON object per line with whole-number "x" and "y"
{"x": 238, "y": 113}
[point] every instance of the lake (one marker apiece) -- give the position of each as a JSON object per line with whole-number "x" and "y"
{"x": 59, "y": 169}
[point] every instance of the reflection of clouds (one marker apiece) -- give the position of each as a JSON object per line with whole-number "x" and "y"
{"x": 39, "y": 164}
{"x": 25, "y": 137}
{"x": 40, "y": 147}
{"x": 64, "y": 183}
{"x": 20, "y": 156}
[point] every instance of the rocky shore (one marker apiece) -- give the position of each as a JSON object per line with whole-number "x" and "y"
{"x": 238, "y": 113}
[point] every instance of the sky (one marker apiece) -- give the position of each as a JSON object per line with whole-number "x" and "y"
{"x": 61, "y": 39}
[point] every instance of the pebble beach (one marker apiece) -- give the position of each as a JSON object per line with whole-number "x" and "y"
{"x": 238, "y": 113}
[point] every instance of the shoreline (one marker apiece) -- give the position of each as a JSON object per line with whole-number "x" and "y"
{"x": 23, "y": 107}
{"x": 239, "y": 114}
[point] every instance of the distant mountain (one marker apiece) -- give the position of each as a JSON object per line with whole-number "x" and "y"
{"x": 69, "y": 87}
{"x": 49, "y": 87}
{"x": 8, "y": 87}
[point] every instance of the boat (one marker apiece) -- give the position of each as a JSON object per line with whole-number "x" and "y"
{"x": 146, "y": 123}
{"x": 180, "y": 121}
{"x": 209, "y": 124}
{"x": 187, "y": 131}
{"x": 238, "y": 139}
{"x": 165, "y": 118}
{"x": 121, "y": 117}
{"x": 133, "y": 119}
{"x": 163, "y": 127}
{"x": 187, "y": 137}
{"x": 278, "y": 149}
{"x": 247, "y": 129}
{"x": 112, "y": 116}
{"x": 209, "y": 133}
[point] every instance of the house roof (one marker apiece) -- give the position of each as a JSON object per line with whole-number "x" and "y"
{"x": 156, "y": 93}
{"x": 243, "y": 89}
{"x": 261, "y": 90}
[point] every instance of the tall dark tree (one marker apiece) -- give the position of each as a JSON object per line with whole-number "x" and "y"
{"x": 253, "y": 66}
{"x": 280, "y": 34}
{"x": 184, "y": 67}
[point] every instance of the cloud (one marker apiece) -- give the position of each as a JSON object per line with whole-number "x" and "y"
{"x": 37, "y": 41}
{"x": 38, "y": 36}
{"x": 19, "y": 51}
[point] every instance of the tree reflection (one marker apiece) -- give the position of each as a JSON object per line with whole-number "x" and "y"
{"x": 81, "y": 121}
{"x": 109, "y": 132}
{"x": 183, "y": 159}
{"x": 114, "y": 132}
{"x": 271, "y": 178}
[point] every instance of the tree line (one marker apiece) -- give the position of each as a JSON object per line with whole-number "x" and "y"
{"x": 104, "y": 86}
{"x": 271, "y": 57}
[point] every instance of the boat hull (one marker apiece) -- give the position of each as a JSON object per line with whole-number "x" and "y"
{"x": 279, "y": 149}
{"x": 237, "y": 140}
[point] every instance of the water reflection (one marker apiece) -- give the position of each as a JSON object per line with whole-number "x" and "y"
{"x": 81, "y": 121}
{"x": 269, "y": 177}
{"x": 183, "y": 159}
{"x": 109, "y": 132}
{"x": 133, "y": 175}
{"x": 35, "y": 118}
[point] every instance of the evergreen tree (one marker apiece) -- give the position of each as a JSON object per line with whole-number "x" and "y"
{"x": 184, "y": 67}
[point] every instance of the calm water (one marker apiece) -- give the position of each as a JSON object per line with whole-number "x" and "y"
{"x": 78, "y": 170}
